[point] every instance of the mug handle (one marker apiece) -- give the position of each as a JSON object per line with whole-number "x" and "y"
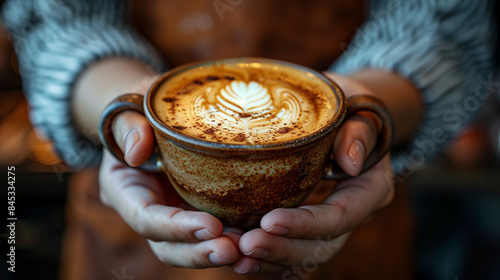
{"x": 372, "y": 104}
{"x": 126, "y": 102}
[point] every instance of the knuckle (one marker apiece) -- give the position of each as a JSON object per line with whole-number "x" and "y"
{"x": 176, "y": 234}
{"x": 174, "y": 227}
{"x": 332, "y": 219}
{"x": 371, "y": 121}
{"x": 308, "y": 215}
{"x": 142, "y": 224}
{"x": 283, "y": 257}
{"x": 142, "y": 228}
{"x": 365, "y": 125}
{"x": 200, "y": 260}
{"x": 339, "y": 218}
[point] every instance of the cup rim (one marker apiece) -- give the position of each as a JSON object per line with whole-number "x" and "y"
{"x": 241, "y": 149}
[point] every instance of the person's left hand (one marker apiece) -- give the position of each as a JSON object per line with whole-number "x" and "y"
{"x": 313, "y": 233}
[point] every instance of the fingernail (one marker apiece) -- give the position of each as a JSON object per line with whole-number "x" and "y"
{"x": 204, "y": 234}
{"x": 130, "y": 139}
{"x": 356, "y": 154}
{"x": 253, "y": 268}
{"x": 278, "y": 230}
{"x": 258, "y": 253}
{"x": 217, "y": 260}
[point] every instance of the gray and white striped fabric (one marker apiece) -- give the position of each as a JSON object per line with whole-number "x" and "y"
{"x": 55, "y": 40}
{"x": 444, "y": 47}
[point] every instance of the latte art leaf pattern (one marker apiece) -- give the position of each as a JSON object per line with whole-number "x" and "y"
{"x": 248, "y": 106}
{"x": 245, "y": 98}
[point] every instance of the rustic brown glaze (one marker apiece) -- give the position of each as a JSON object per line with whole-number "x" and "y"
{"x": 241, "y": 189}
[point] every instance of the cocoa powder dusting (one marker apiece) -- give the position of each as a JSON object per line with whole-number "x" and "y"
{"x": 240, "y": 137}
{"x": 209, "y": 131}
{"x": 244, "y": 115}
{"x": 283, "y": 130}
{"x": 169, "y": 99}
{"x": 187, "y": 89}
{"x": 212, "y": 78}
{"x": 178, "y": 127}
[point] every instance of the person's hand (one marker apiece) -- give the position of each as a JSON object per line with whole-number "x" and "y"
{"x": 313, "y": 233}
{"x": 149, "y": 205}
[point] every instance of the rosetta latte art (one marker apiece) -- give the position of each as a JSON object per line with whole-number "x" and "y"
{"x": 241, "y": 106}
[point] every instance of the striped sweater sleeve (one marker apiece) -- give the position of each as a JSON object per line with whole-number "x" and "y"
{"x": 445, "y": 47}
{"x": 55, "y": 40}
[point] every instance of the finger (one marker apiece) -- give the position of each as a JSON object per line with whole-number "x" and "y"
{"x": 216, "y": 252}
{"x": 258, "y": 244}
{"x": 234, "y": 234}
{"x": 247, "y": 265}
{"x": 139, "y": 198}
{"x": 320, "y": 192}
{"x": 134, "y": 136}
{"x": 355, "y": 140}
{"x": 353, "y": 201}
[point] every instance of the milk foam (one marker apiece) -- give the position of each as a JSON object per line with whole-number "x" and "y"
{"x": 243, "y": 106}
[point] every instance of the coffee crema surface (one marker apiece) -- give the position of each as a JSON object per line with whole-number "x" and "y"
{"x": 245, "y": 103}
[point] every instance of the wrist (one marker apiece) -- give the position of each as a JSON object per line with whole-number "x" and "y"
{"x": 102, "y": 82}
{"x": 401, "y": 97}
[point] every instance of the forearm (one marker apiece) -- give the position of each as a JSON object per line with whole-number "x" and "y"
{"x": 100, "y": 83}
{"x": 54, "y": 52}
{"x": 402, "y": 99}
{"x": 443, "y": 54}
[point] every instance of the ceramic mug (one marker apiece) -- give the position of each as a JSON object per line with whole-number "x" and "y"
{"x": 240, "y": 183}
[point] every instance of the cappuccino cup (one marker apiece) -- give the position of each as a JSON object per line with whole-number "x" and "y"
{"x": 240, "y": 137}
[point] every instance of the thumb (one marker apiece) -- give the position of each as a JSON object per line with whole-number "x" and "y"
{"x": 134, "y": 136}
{"x": 355, "y": 141}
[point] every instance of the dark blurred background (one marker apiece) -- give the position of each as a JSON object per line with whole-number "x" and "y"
{"x": 443, "y": 224}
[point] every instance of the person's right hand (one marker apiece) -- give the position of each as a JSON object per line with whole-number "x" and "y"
{"x": 150, "y": 206}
